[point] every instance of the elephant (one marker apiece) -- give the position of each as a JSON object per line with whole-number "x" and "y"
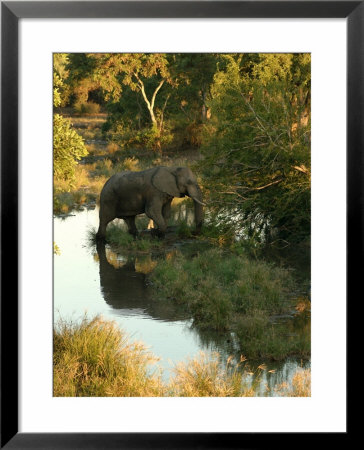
{"x": 151, "y": 191}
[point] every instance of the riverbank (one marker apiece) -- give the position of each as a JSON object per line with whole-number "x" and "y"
{"x": 253, "y": 303}
{"x": 94, "y": 358}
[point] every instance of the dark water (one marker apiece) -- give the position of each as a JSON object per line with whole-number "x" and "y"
{"x": 98, "y": 281}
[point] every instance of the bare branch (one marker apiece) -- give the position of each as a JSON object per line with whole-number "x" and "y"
{"x": 156, "y": 91}
{"x": 267, "y": 185}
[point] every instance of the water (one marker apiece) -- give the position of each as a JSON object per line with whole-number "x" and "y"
{"x": 87, "y": 281}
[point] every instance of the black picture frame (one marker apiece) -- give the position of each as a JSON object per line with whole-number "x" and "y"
{"x": 11, "y": 12}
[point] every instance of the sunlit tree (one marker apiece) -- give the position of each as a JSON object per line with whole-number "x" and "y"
{"x": 68, "y": 146}
{"x": 257, "y": 149}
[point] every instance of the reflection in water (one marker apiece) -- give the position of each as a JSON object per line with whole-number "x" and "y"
{"x": 114, "y": 285}
{"x": 124, "y": 287}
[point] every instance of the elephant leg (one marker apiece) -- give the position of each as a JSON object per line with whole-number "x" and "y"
{"x": 130, "y": 221}
{"x": 155, "y": 213}
{"x": 104, "y": 220}
{"x": 166, "y": 211}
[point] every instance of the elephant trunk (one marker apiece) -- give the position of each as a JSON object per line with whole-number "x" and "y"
{"x": 195, "y": 193}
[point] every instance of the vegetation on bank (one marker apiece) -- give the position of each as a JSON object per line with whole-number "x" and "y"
{"x": 243, "y": 122}
{"x": 247, "y": 114}
{"x": 231, "y": 293}
{"x": 224, "y": 291}
{"x": 94, "y": 358}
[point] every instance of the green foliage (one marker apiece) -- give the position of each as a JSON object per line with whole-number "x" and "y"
{"x": 249, "y": 114}
{"x": 214, "y": 285}
{"x": 60, "y": 73}
{"x": 68, "y": 148}
{"x": 257, "y": 146}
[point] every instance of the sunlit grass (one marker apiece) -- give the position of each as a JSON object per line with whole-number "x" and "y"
{"x": 299, "y": 387}
{"x": 94, "y": 358}
{"x": 204, "y": 376}
{"x": 84, "y": 189}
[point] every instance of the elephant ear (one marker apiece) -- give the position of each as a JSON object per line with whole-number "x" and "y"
{"x": 165, "y": 182}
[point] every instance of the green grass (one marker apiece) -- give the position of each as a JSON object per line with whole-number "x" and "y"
{"x": 94, "y": 358}
{"x": 226, "y": 292}
{"x": 119, "y": 238}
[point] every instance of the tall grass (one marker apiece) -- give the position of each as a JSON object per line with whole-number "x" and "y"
{"x": 299, "y": 387}
{"x": 204, "y": 376}
{"x": 94, "y": 358}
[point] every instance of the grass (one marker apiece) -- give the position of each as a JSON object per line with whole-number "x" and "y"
{"x": 226, "y": 292}
{"x": 204, "y": 376}
{"x": 94, "y": 358}
{"x": 299, "y": 387}
{"x": 222, "y": 277}
{"x": 118, "y": 237}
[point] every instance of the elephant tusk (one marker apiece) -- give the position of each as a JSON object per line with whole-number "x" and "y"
{"x": 198, "y": 201}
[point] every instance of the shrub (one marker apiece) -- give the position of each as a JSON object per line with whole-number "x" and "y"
{"x": 87, "y": 108}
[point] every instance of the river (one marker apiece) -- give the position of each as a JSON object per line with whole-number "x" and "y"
{"x": 84, "y": 284}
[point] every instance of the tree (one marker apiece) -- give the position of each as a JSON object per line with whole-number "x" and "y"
{"x": 257, "y": 150}
{"x": 142, "y": 73}
{"x": 68, "y": 146}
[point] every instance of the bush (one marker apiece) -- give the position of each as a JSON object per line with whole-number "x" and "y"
{"x": 86, "y": 108}
{"x": 257, "y": 146}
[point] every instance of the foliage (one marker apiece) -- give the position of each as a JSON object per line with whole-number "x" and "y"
{"x": 87, "y": 108}
{"x": 68, "y": 146}
{"x": 257, "y": 145}
{"x": 60, "y": 73}
{"x": 249, "y": 114}
{"x": 153, "y": 100}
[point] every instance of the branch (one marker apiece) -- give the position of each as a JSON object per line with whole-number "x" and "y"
{"x": 261, "y": 126}
{"x": 141, "y": 86}
{"x": 162, "y": 113}
{"x": 267, "y": 185}
{"x": 156, "y": 91}
{"x": 302, "y": 169}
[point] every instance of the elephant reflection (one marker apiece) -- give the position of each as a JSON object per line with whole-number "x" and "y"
{"x": 123, "y": 285}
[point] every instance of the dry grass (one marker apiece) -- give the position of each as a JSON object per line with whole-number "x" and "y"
{"x": 204, "y": 377}
{"x": 83, "y": 181}
{"x": 94, "y": 358}
{"x": 300, "y": 387}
